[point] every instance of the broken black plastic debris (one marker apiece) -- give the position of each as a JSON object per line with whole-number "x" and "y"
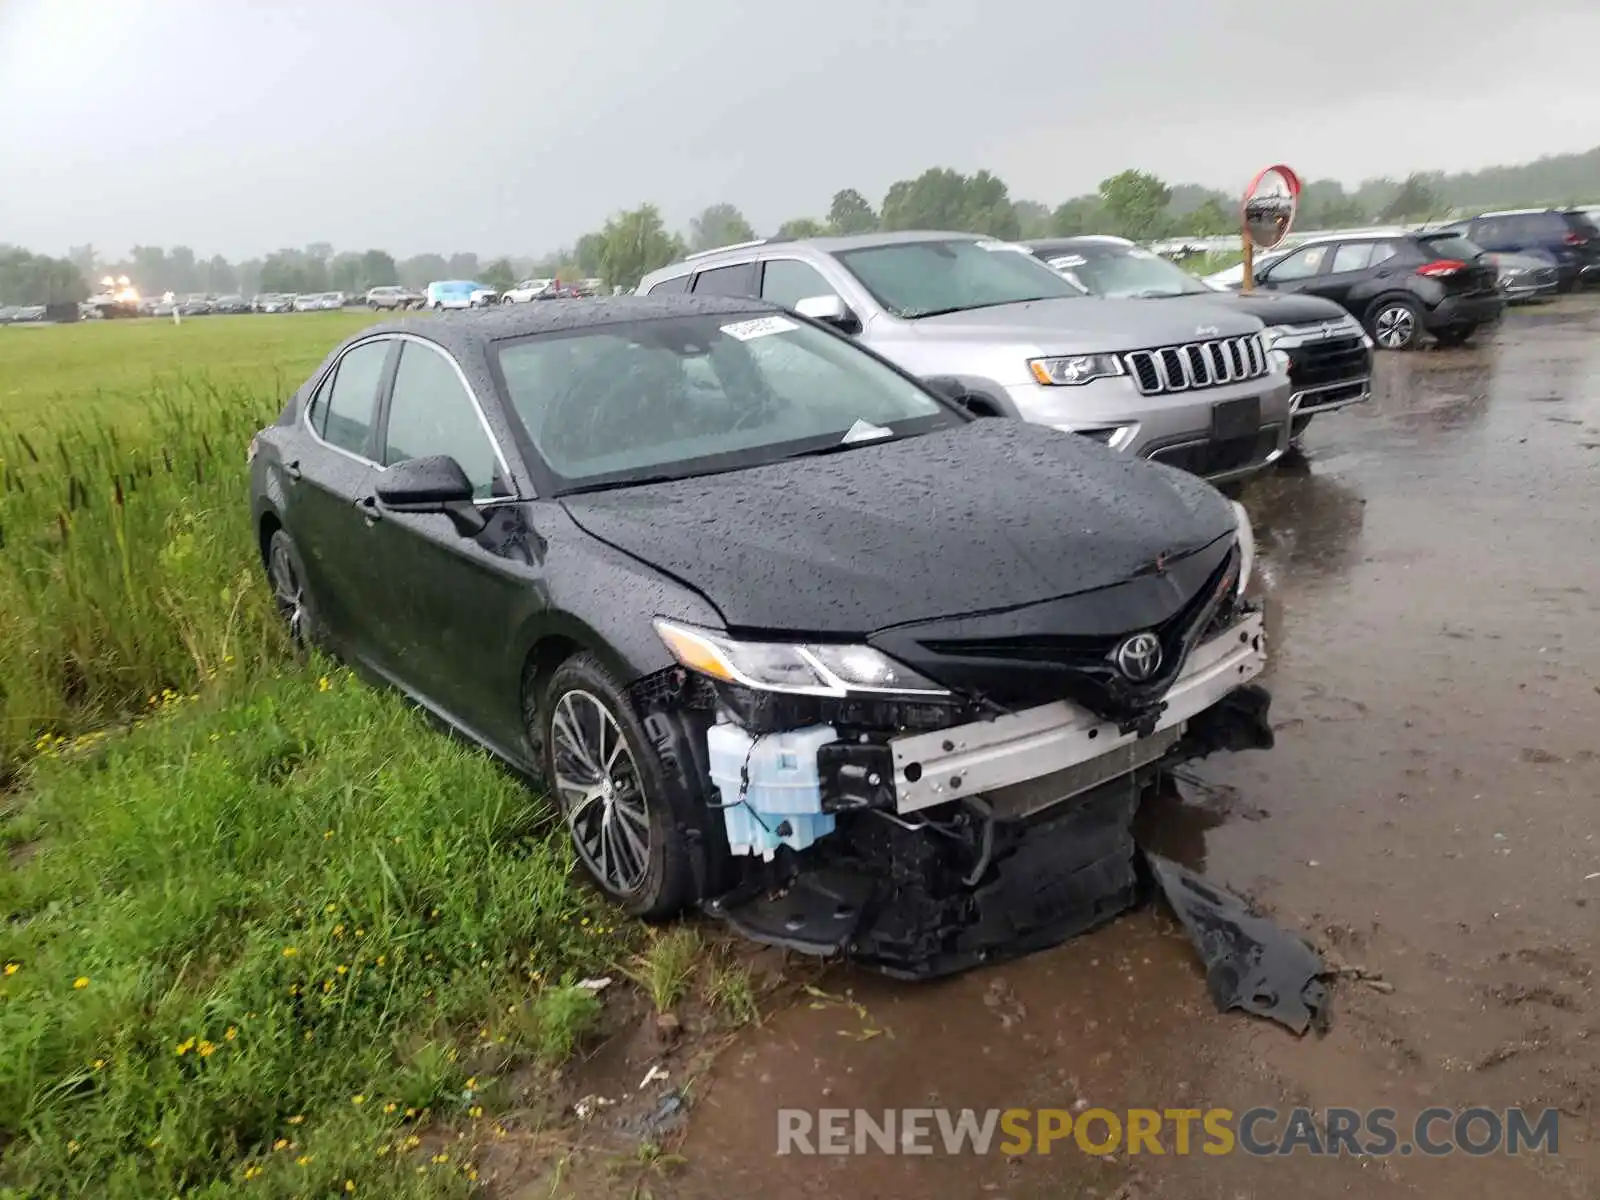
{"x": 1250, "y": 962}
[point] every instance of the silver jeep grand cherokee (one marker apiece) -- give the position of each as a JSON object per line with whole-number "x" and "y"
{"x": 1185, "y": 382}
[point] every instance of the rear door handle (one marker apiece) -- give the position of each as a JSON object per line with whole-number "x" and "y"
{"x": 369, "y": 509}
{"x": 292, "y": 470}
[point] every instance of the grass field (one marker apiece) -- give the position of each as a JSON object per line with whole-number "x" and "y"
{"x": 269, "y": 933}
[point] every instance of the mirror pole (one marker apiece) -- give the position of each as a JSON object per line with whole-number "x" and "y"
{"x": 1248, "y": 283}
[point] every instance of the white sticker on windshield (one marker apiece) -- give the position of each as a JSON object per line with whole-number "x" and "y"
{"x": 993, "y": 245}
{"x": 1068, "y": 260}
{"x": 865, "y": 431}
{"x": 759, "y": 327}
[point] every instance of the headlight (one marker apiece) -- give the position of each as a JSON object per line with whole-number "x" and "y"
{"x": 799, "y": 669}
{"x": 1074, "y": 370}
{"x": 1247, "y": 547}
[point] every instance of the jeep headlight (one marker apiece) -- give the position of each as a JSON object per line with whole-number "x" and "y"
{"x": 805, "y": 669}
{"x": 1074, "y": 370}
{"x": 1247, "y": 547}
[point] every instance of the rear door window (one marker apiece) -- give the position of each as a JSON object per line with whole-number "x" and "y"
{"x": 738, "y": 280}
{"x": 1450, "y": 245}
{"x": 353, "y": 396}
{"x": 668, "y": 287}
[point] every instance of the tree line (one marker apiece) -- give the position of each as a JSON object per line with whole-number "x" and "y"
{"x": 1134, "y": 204}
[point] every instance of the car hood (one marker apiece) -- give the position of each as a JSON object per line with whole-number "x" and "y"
{"x": 1090, "y": 323}
{"x": 1283, "y": 308}
{"x": 986, "y": 516}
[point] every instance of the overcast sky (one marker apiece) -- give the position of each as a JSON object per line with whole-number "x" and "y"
{"x": 513, "y": 126}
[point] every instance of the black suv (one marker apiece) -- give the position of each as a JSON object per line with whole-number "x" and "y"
{"x": 1569, "y": 240}
{"x": 1398, "y": 285}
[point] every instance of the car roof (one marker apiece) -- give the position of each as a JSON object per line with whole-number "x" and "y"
{"x": 1050, "y": 245}
{"x": 461, "y": 332}
{"x": 827, "y": 244}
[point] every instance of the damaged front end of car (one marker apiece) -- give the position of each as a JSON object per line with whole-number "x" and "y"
{"x": 951, "y": 792}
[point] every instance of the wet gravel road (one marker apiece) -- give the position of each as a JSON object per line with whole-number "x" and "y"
{"x": 1430, "y": 814}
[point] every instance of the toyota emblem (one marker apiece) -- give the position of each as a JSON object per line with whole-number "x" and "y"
{"x": 1138, "y": 657}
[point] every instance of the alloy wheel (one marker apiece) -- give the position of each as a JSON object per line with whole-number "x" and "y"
{"x": 1395, "y": 327}
{"x": 289, "y": 591}
{"x": 600, "y": 791}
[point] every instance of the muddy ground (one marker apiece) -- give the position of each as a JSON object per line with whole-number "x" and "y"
{"x": 1430, "y": 814}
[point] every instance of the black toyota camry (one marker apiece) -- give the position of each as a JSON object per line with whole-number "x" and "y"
{"x": 780, "y": 631}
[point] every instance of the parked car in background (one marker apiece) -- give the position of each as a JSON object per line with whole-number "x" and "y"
{"x": 194, "y": 306}
{"x": 528, "y": 289}
{"x": 310, "y": 302}
{"x": 460, "y": 293}
{"x": 28, "y": 313}
{"x": 333, "y": 301}
{"x": 273, "y": 302}
{"x": 677, "y": 560}
{"x": 1524, "y": 277}
{"x": 1181, "y": 382}
{"x": 163, "y": 307}
{"x": 1399, "y": 286}
{"x": 1567, "y": 240}
{"x": 1231, "y": 279}
{"x": 230, "y": 304}
{"x": 1328, "y": 354}
{"x": 393, "y": 296}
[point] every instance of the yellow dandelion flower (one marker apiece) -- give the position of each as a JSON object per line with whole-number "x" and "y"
{"x": 323, "y": 684}
{"x": 338, "y": 931}
{"x": 327, "y": 986}
{"x": 411, "y": 1142}
{"x": 184, "y": 1047}
{"x": 411, "y": 1112}
{"x": 303, "y": 1160}
{"x": 12, "y": 968}
{"x": 349, "y": 1185}
{"x": 251, "y": 1172}
{"x": 475, "y": 1112}
{"x": 297, "y": 1118}
{"x": 341, "y": 969}
{"x": 472, "y": 1083}
{"x": 361, "y": 933}
{"x": 290, "y": 951}
{"x": 99, "y": 1063}
{"x": 326, "y": 834}
{"x": 390, "y": 1107}
{"x": 441, "y": 1157}
{"x": 206, "y": 1049}
{"x": 330, "y": 907}
{"x": 72, "y": 1146}
{"x": 380, "y": 960}
{"x": 358, "y": 1099}
{"x": 230, "y": 1033}
{"x": 472, "y": 1174}
{"x": 81, "y": 982}
{"x": 280, "y": 1144}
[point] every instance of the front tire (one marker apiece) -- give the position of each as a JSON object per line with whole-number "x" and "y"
{"x": 628, "y": 820}
{"x": 1396, "y": 325}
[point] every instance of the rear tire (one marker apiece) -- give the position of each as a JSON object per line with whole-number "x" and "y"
{"x": 286, "y": 574}
{"x": 1395, "y": 324}
{"x": 629, "y": 816}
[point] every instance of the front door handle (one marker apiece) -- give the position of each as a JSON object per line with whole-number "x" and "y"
{"x": 369, "y": 509}
{"x": 293, "y": 471}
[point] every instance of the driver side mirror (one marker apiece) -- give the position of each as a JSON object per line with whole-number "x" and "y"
{"x": 830, "y": 310}
{"x": 432, "y": 484}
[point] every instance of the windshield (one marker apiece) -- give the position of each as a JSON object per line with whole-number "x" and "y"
{"x": 688, "y": 396}
{"x": 1121, "y": 272}
{"x": 926, "y": 279}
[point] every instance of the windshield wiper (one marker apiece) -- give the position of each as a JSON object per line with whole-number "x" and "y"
{"x": 836, "y": 447}
{"x": 916, "y": 315}
{"x": 610, "y": 485}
